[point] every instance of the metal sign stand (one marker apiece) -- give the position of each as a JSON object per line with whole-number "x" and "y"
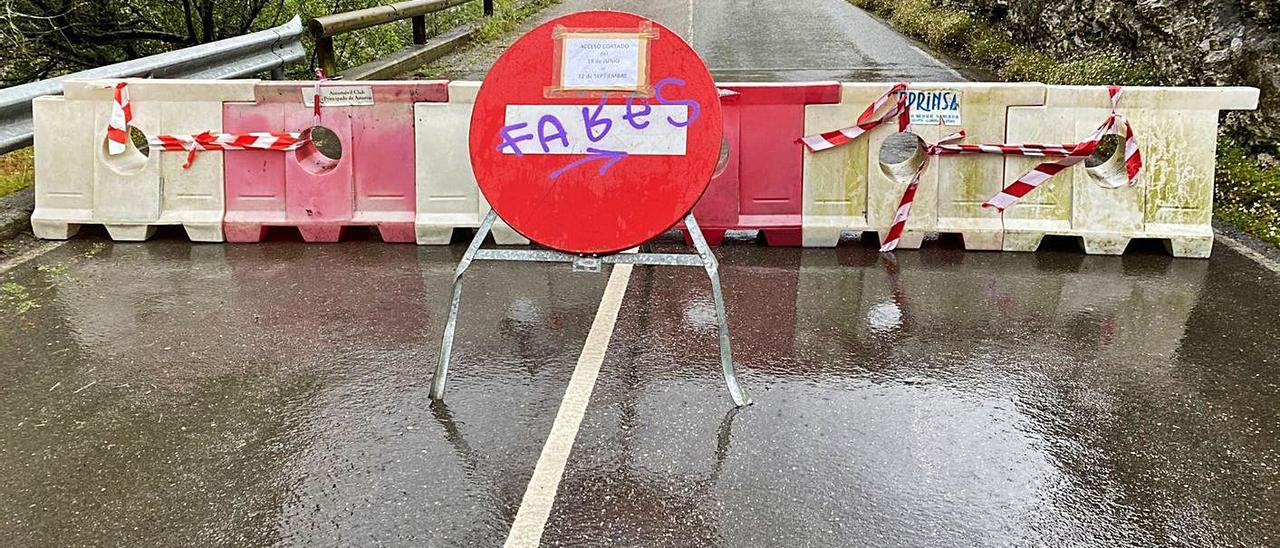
{"x": 582, "y": 263}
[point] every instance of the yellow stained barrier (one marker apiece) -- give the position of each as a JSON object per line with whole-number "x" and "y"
{"x": 850, "y": 188}
{"x": 1177, "y": 131}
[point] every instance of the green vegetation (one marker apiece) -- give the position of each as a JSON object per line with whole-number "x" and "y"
{"x": 46, "y": 39}
{"x": 54, "y": 271}
{"x": 365, "y": 45}
{"x": 979, "y": 43}
{"x": 17, "y": 171}
{"x": 15, "y": 295}
{"x": 1247, "y": 193}
{"x": 94, "y": 250}
{"x": 508, "y": 14}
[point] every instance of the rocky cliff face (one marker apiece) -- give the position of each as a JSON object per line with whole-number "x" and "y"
{"x": 1189, "y": 42}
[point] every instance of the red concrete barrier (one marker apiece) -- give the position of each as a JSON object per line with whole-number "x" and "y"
{"x": 371, "y": 183}
{"x": 759, "y": 186}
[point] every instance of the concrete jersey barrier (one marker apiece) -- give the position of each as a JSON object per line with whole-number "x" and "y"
{"x": 78, "y": 182}
{"x": 370, "y": 183}
{"x": 757, "y": 187}
{"x": 405, "y": 168}
{"x": 850, "y": 189}
{"x": 448, "y": 197}
{"x": 1177, "y": 131}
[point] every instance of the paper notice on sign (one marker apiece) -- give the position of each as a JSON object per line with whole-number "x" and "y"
{"x": 934, "y": 106}
{"x": 563, "y": 129}
{"x": 602, "y": 63}
{"x": 340, "y": 96}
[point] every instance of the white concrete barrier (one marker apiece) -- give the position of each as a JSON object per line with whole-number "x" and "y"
{"x": 1173, "y": 198}
{"x": 77, "y": 182}
{"x": 848, "y": 188}
{"x": 63, "y": 166}
{"x": 834, "y": 193}
{"x": 448, "y": 196}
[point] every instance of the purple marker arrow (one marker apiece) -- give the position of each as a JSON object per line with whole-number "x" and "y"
{"x": 593, "y": 154}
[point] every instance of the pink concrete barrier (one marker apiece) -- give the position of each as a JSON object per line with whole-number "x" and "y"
{"x": 370, "y": 183}
{"x": 759, "y": 186}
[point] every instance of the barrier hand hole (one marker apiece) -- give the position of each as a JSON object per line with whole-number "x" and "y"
{"x": 134, "y": 158}
{"x": 723, "y": 162}
{"x": 1106, "y": 165}
{"x": 900, "y": 155}
{"x": 139, "y": 141}
{"x": 322, "y": 153}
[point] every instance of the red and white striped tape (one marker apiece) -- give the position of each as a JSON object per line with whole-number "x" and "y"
{"x": 865, "y": 123}
{"x": 1007, "y": 150}
{"x": 1072, "y": 154}
{"x": 903, "y": 213}
{"x": 948, "y": 147}
{"x": 1031, "y": 180}
{"x": 315, "y": 98}
{"x": 258, "y": 140}
{"x": 121, "y": 116}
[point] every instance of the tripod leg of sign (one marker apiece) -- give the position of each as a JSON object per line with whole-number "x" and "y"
{"x": 704, "y": 259}
{"x": 451, "y": 324}
{"x": 740, "y": 396}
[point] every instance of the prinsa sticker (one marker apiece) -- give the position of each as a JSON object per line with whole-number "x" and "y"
{"x": 934, "y": 106}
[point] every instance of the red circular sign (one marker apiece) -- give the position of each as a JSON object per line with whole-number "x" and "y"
{"x": 595, "y": 132}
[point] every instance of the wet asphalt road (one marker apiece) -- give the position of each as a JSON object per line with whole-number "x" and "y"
{"x": 758, "y": 40}
{"x": 176, "y": 394}
{"x": 173, "y": 394}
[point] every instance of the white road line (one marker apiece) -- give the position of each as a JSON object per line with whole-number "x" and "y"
{"x": 1248, "y": 252}
{"x": 30, "y": 254}
{"x": 690, "y": 35}
{"x": 540, "y": 495}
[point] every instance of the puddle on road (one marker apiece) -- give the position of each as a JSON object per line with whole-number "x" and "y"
{"x": 185, "y": 394}
{"x": 176, "y": 394}
{"x": 959, "y": 399}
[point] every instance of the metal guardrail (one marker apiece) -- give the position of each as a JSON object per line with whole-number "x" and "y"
{"x": 256, "y": 53}
{"x": 422, "y": 51}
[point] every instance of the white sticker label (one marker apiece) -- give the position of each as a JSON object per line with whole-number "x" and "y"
{"x": 934, "y": 106}
{"x": 339, "y": 96}
{"x": 601, "y": 63}
{"x": 572, "y": 129}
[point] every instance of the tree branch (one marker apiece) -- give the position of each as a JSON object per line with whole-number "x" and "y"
{"x": 125, "y": 35}
{"x": 190, "y": 24}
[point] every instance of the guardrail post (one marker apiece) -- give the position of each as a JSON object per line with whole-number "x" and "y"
{"x": 325, "y": 27}
{"x": 420, "y": 29}
{"x": 324, "y": 55}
